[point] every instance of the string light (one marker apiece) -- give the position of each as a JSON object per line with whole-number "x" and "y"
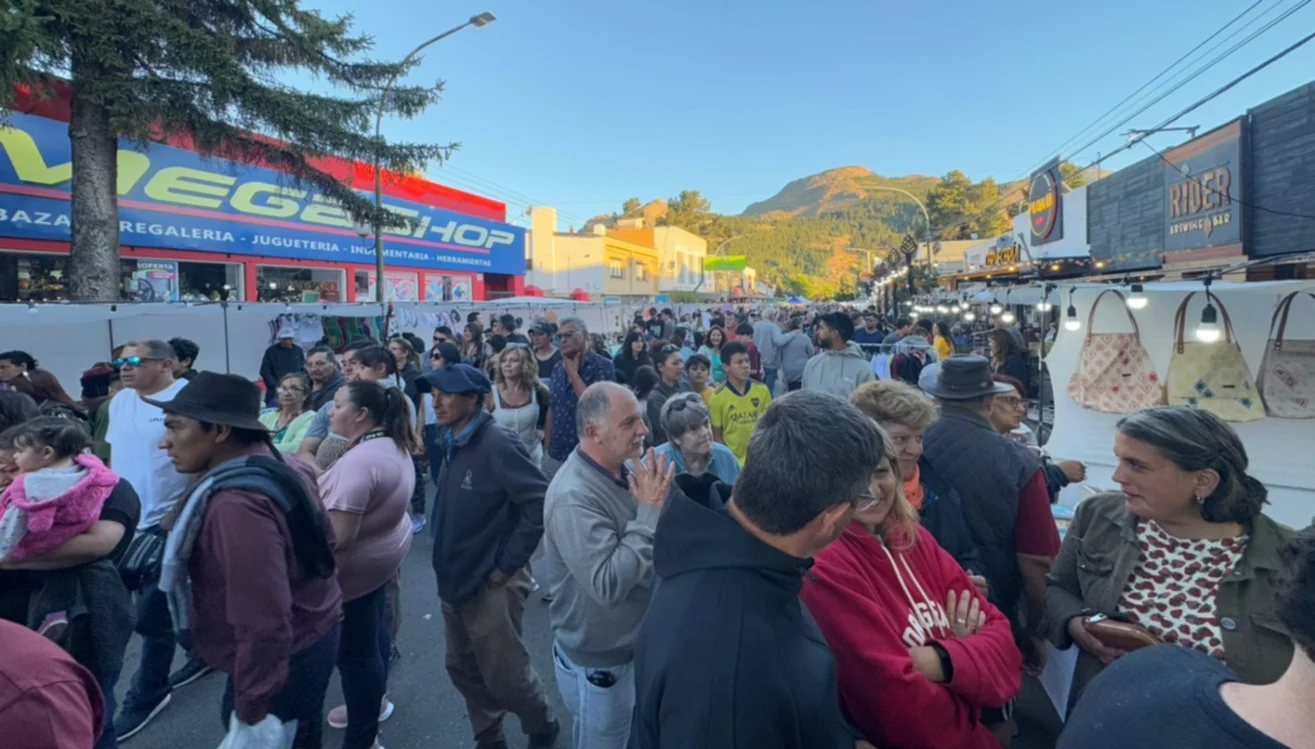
{"x": 996, "y": 307}
{"x": 1137, "y": 297}
{"x": 1071, "y": 321}
{"x": 969, "y": 316}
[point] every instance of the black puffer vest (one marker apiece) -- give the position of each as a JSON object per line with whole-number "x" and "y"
{"x": 989, "y": 472}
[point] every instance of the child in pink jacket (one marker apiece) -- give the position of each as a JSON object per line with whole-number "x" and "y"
{"x": 59, "y": 491}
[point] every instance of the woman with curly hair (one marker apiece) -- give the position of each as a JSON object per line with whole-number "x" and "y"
{"x": 518, "y": 400}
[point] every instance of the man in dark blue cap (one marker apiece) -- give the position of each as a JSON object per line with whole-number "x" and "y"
{"x": 489, "y": 519}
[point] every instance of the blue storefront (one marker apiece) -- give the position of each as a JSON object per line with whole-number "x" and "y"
{"x": 203, "y": 227}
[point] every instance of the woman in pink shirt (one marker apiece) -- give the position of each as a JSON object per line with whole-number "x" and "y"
{"x": 367, "y": 494}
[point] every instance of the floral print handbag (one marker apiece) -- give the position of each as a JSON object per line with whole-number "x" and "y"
{"x": 1115, "y": 373}
{"x": 1287, "y": 372}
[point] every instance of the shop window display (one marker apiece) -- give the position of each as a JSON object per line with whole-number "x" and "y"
{"x": 278, "y": 284}
{"x": 170, "y": 280}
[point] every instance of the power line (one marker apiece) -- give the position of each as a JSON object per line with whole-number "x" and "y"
{"x": 1231, "y": 198}
{"x": 1145, "y": 85}
{"x": 1228, "y": 53}
{"x": 1193, "y": 107}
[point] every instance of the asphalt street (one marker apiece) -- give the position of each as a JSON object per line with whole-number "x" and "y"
{"x": 430, "y": 713}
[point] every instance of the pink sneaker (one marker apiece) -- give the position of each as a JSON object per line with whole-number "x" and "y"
{"x": 338, "y": 715}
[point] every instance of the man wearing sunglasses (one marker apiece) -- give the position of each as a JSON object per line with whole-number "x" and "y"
{"x": 146, "y": 369}
{"x": 578, "y": 369}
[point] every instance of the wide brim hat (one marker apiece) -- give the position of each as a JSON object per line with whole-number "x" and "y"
{"x": 965, "y": 377}
{"x": 217, "y": 399}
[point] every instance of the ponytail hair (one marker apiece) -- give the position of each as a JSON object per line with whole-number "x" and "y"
{"x": 388, "y": 409}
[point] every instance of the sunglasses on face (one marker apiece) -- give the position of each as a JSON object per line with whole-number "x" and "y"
{"x": 131, "y": 361}
{"x": 564, "y": 336}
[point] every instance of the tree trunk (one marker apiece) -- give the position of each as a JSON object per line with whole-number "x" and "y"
{"x": 94, "y": 257}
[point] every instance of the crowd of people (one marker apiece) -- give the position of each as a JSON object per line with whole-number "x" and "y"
{"x": 850, "y": 521}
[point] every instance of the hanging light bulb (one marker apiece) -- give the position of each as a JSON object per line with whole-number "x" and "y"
{"x": 996, "y": 307}
{"x": 1044, "y": 306}
{"x": 941, "y": 308}
{"x": 1137, "y": 297}
{"x": 1208, "y": 330}
{"x": 956, "y": 309}
{"x": 1071, "y": 321}
{"x": 1008, "y": 316}
{"x": 969, "y": 316}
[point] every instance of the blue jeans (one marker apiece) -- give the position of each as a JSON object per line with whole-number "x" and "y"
{"x": 151, "y": 682}
{"x": 363, "y": 665}
{"x": 302, "y": 696}
{"x": 769, "y": 379}
{"x": 107, "y": 739}
{"x": 600, "y": 713}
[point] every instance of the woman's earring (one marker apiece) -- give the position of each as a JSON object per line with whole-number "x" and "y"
{"x": 1200, "y": 500}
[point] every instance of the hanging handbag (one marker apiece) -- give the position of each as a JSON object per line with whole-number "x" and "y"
{"x": 1115, "y": 373}
{"x": 1213, "y": 377}
{"x": 1287, "y": 371}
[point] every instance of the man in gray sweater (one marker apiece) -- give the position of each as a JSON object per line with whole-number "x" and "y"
{"x": 599, "y": 516}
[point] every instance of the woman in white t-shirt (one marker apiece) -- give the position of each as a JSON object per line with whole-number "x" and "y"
{"x": 518, "y": 401}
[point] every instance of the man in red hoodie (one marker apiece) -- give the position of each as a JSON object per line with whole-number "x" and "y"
{"x": 919, "y": 652}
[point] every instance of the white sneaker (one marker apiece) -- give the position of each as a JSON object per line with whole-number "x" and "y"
{"x": 338, "y": 715}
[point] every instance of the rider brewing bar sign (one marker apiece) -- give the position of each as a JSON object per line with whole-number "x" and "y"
{"x": 1203, "y": 191}
{"x": 1045, "y": 204}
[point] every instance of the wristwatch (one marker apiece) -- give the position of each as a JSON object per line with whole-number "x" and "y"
{"x": 947, "y": 666}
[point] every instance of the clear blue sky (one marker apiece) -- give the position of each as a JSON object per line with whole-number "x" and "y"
{"x": 583, "y": 103}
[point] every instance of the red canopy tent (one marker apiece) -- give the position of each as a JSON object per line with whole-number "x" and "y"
{"x": 532, "y": 290}
{"x": 580, "y": 295}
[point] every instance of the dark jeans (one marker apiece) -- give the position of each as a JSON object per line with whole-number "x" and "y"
{"x": 107, "y": 739}
{"x": 790, "y": 387}
{"x": 151, "y": 682}
{"x": 418, "y": 494}
{"x": 363, "y": 666}
{"x": 302, "y": 696}
{"x": 434, "y": 452}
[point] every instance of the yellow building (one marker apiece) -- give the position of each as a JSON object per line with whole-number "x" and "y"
{"x": 594, "y": 262}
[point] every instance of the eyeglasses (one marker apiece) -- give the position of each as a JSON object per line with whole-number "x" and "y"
{"x": 131, "y": 361}
{"x": 866, "y": 501}
{"x": 285, "y": 390}
{"x": 565, "y": 334}
{"x": 1010, "y": 400}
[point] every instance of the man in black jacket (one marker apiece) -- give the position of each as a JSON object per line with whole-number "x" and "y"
{"x": 727, "y": 656}
{"x": 489, "y": 519}
{"x": 282, "y": 358}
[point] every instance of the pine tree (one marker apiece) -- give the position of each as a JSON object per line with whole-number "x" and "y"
{"x": 147, "y": 69}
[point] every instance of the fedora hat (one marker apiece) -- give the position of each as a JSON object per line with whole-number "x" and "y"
{"x": 217, "y": 399}
{"x": 964, "y": 377}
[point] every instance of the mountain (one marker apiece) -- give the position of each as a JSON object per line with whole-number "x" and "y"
{"x": 838, "y": 188}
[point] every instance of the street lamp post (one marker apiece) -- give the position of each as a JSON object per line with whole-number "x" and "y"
{"x": 716, "y": 253}
{"x": 925, "y": 215}
{"x": 482, "y": 19}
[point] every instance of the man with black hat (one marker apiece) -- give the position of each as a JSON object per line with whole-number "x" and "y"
{"x": 1005, "y": 499}
{"x": 489, "y": 521}
{"x": 247, "y": 568}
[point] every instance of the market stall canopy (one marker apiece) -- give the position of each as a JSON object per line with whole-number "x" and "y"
{"x": 797, "y": 300}
{"x": 580, "y": 295}
{"x": 533, "y": 290}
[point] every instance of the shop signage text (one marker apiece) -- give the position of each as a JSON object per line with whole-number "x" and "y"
{"x": 1003, "y": 257}
{"x": 175, "y": 199}
{"x": 1202, "y": 193}
{"x": 1045, "y": 204}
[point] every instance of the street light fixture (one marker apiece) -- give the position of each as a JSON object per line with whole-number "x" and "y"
{"x": 481, "y": 19}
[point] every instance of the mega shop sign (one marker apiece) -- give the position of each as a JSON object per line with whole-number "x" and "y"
{"x": 172, "y": 198}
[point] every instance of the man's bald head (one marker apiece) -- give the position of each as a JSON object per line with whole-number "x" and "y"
{"x": 611, "y": 425}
